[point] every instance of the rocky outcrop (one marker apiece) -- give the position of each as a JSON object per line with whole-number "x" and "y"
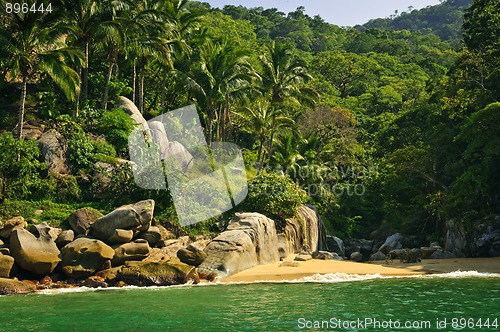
{"x": 249, "y": 240}
{"x": 53, "y": 147}
{"x": 456, "y": 239}
{"x": 81, "y": 219}
{"x": 10, "y": 225}
{"x": 136, "y": 217}
{"x": 6, "y": 264}
{"x": 300, "y": 233}
{"x": 362, "y": 246}
{"x": 129, "y": 107}
{"x": 392, "y": 242}
{"x": 171, "y": 272}
{"x": 134, "y": 251}
{"x": 39, "y": 255}
{"x": 82, "y": 257}
{"x": 13, "y": 286}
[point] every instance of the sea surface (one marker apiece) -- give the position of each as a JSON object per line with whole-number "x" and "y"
{"x": 459, "y": 301}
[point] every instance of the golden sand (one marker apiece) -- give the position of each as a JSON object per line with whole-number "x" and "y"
{"x": 275, "y": 272}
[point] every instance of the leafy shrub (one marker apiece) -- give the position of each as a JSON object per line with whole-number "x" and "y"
{"x": 19, "y": 165}
{"x": 275, "y": 196}
{"x": 104, "y": 148}
{"x": 116, "y": 126}
{"x": 80, "y": 153}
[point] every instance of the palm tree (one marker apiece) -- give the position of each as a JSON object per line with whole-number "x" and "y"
{"x": 85, "y": 18}
{"x": 283, "y": 76}
{"x": 222, "y": 76}
{"x": 265, "y": 121}
{"x": 33, "y": 46}
{"x": 287, "y": 156}
{"x": 152, "y": 39}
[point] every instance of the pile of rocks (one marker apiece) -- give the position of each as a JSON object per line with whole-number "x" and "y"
{"x": 97, "y": 250}
{"x": 125, "y": 248}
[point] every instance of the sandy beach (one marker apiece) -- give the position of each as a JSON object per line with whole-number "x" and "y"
{"x": 279, "y": 271}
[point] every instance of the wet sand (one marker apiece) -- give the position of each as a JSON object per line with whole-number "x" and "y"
{"x": 275, "y": 272}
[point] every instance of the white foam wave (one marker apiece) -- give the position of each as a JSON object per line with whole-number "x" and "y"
{"x": 316, "y": 278}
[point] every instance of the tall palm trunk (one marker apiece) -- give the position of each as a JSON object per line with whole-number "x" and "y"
{"x": 106, "y": 88}
{"x": 134, "y": 82}
{"x": 260, "y": 154}
{"x": 85, "y": 74}
{"x": 140, "y": 91}
{"x": 21, "y": 107}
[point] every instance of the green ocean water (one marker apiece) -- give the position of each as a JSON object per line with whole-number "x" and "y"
{"x": 266, "y": 307}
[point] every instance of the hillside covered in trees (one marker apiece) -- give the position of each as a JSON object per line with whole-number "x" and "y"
{"x": 445, "y": 20}
{"x": 393, "y": 125}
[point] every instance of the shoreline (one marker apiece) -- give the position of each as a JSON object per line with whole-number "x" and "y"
{"x": 273, "y": 272}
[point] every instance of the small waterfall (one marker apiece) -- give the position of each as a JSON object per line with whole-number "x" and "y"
{"x": 321, "y": 231}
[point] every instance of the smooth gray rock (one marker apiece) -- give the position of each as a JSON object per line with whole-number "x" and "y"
{"x": 53, "y": 148}
{"x": 250, "y": 240}
{"x": 65, "y": 237}
{"x": 136, "y": 217}
{"x": 39, "y": 255}
{"x": 132, "y": 251}
{"x": 152, "y": 235}
{"x": 121, "y": 236}
{"x": 82, "y": 257}
{"x": 356, "y": 256}
{"x": 81, "y": 219}
{"x": 191, "y": 255}
{"x": 129, "y": 107}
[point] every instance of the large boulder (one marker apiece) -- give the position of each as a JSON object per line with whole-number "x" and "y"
{"x": 82, "y": 257}
{"x": 13, "y": 286}
{"x": 10, "y": 225}
{"x": 39, "y": 255}
{"x": 250, "y": 240}
{"x": 456, "y": 238}
{"x": 136, "y": 217}
{"x": 391, "y": 243}
{"x": 192, "y": 255}
{"x": 134, "y": 251}
{"x": 53, "y": 148}
{"x": 171, "y": 272}
{"x": 81, "y": 219}
{"x": 129, "y": 107}
{"x": 6, "y": 264}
